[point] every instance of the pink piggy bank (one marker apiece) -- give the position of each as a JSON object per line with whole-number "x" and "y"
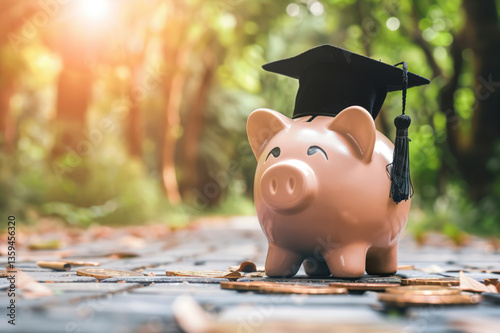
{"x": 322, "y": 194}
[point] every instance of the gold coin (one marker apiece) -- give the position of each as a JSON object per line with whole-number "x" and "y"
{"x": 282, "y": 288}
{"x": 100, "y": 273}
{"x": 244, "y": 286}
{"x": 446, "y": 282}
{"x": 409, "y": 300}
{"x": 301, "y": 289}
{"x": 363, "y": 286}
{"x": 423, "y": 290}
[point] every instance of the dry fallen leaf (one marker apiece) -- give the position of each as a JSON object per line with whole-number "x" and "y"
{"x": 55, "y": 265}
{"x": 82, "y": 263}
{"x": 246, "y": 267}
{"x": 468, "y": 284}
{"x": 206, "y": 274}
{"x": 493, "y": 282}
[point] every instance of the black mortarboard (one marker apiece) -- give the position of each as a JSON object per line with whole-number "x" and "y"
{"x": 331, "y": 79}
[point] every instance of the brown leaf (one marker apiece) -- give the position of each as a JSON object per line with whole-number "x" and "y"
{"x": 468, "y": 284}
{"x": 206, "y": 274}
{"x": 493, "y": 282}
{"x": 55, "y": 265}
{"x": 247, "y": 267}
{"x": 82, "y": 263}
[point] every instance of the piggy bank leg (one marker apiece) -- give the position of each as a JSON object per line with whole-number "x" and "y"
{"x": 382, "y": 261}
{"x": 282, "y": 262}
{"x": 347, "y": 261}
{"x": 316, "y": 267}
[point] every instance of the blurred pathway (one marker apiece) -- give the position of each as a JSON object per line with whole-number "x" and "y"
{"x": 155, "y": 302}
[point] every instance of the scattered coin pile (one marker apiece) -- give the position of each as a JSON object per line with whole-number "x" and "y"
{"x": 411, "y": 292}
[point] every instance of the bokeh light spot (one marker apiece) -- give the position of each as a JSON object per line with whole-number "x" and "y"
{"x": 392, "y": 23}
{"x": 316, "y": 8}
{"x": 94, "y": 9}
{"x": 293, "y": 9}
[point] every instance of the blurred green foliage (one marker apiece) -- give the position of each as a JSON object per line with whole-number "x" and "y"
{"x": 110, "y": 187}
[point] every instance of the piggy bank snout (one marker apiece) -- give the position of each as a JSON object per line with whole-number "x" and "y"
{"x": 288, "y": 186}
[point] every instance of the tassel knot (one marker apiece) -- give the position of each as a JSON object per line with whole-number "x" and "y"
{"x": 402, "y": 122}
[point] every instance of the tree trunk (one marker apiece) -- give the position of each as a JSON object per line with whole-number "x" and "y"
{"x": 134, "y": 133}
{"x": 193, "y": 129}
{"x": 481, "y": 33}
{"x": 7, "y": 127}
{"x": 173, "y": 93}
{"x": 74, "y": 91}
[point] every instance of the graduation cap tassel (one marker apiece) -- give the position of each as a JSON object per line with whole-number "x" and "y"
{"x": 399, "y": 169}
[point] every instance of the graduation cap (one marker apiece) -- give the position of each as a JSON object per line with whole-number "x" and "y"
{"x": 332, "y": 78}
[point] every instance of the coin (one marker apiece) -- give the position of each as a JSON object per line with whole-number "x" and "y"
{"x": 280, "y": 288}
{"x": 244, "y": 286}
{"x": 363, "y": 286}
{"x": 423, "y": 290}
{"x": 410, "y": 300}
{"x": 100, "y": 273}
{"x": 446, "y": 282}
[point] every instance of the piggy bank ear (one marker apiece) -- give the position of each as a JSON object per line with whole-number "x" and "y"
{"x": 357, "y": 125}
{"x": 262, "y": 125}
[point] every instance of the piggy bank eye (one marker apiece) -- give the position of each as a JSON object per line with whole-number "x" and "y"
{"x": 314, "y": 149}
{"x": 276, "y": 151}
